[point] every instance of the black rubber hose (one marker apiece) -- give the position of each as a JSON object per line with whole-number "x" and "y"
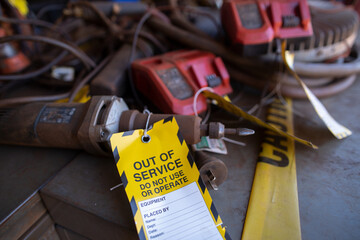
{"x": 44, "y": 69}
{"x": 317, "y": 70}
{"x": 73, "y": 49}
{"x": 37, "y": 22}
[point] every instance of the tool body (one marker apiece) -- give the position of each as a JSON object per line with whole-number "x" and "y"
{"x": 213, "y": 171}
{"x": 88, "y": 126}
{"x": 112, "y": 80}
{"x": 64, "y": 125}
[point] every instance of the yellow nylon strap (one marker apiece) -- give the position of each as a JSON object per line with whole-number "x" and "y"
{"x": 239, "y": 112}
{"x": 273, "y": 211}
{"x": 338, "y": 130}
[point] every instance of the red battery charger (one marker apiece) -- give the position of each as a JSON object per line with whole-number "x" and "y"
{"x": 252, "y": 25}
{"x": 171, "y": 80}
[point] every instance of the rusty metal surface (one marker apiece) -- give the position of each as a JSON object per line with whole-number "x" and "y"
{"x": 23, "y": 170}
{"x": 23, "y": 218}
{"x": 42, "y": 229}
{"x": 112, "y": 80}
{"x": 329, "y": 178}
{"x": 79, "y": 199}
{"x": 189, "y": 125}
{"x": 232, "y": 198}
{"x": 36, "y": 124}
{"x": 66, "y": 234}
{"x": 213, "y": 171}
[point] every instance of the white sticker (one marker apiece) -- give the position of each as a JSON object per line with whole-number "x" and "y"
{"x": 211, "y": 145}
{"x": 181, "y": 214}
{"x": 63, "y": 73}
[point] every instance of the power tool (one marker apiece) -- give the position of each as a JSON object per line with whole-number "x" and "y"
{"x": 253, "y": 25}
{"x": 89, "y": 125}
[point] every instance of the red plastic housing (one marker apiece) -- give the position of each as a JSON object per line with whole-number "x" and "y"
{"x": 171, "y": 80}
{"x": 12, "y": 60}
{"x": 251, "y": 22}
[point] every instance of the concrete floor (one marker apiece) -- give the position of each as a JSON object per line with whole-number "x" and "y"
{"x": 328, "y": 178}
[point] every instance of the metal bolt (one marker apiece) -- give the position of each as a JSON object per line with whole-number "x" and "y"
{"x": 212, "y": 179}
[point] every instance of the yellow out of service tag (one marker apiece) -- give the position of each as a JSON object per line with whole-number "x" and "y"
{"x": 239, "y": 112}
{"x": 166, "y": 194}
{"x": 338, "y": 130}
{"x": 273, "y": 211}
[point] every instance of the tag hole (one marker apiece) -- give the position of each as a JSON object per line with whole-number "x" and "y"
{"x": 145, "y": 139}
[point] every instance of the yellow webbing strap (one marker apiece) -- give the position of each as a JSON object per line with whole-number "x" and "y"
{"x": 273, "y": 211}
{"x": 338, "y": 130}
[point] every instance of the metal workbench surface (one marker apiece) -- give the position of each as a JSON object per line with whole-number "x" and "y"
{"x": 328, "y": 178}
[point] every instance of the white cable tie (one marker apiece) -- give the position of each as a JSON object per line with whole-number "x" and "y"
{"x": 233, "y": 141}
{"x": 116, "y": 186}
{"x": 196, "y": 97}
